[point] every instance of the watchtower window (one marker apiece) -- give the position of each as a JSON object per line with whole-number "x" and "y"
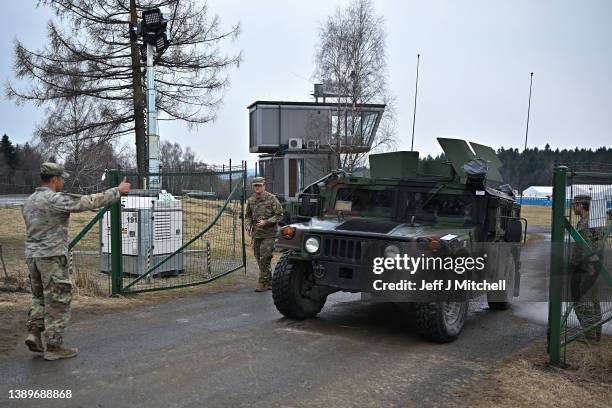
{"x": 353, "y": 127}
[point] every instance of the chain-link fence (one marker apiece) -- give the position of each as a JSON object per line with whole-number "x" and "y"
{"x": 83, "y": 257}
{"x": 581, "y": 256}
{"x": 188, "y": 232}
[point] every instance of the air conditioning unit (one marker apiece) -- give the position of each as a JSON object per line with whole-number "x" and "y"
{"x": 296, "y": 143}
{"x": 312, "y": 145}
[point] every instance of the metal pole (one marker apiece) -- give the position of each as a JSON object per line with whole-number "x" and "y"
{"x": 416, "y": 90}
{"x": 152, "y": 129}
{"x": 208, "y": 260}
{"x": 242, "y": 200}
{"x": 116, "y": 245}
{"x": 556, "y": 264}
{"x": 528, "y": 110}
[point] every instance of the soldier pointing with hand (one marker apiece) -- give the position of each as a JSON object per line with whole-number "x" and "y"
{"x": 46, "y": 214}
{"x": 263, "y": 212}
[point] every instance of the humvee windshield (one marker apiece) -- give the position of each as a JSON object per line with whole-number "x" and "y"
{"x": 365, "y": 201}
{"x": 424, "y": 206}
{"x": 427, "y": 207}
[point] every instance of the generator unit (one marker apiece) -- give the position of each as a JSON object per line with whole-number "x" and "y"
{"x": 151, "y": 229}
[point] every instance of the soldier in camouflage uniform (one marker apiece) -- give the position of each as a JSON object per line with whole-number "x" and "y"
{"x": 583, "y": 275}
{"x": 46, "y": 214}
{"x": 263, "y": 212}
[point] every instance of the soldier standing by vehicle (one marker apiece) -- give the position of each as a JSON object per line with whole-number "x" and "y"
{"x": 46, "y": 213}
{"x": 263, "y": 212}
{"x": 583, "y": 275}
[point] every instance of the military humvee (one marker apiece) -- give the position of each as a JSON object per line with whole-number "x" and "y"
{"x": 448, "y": 207}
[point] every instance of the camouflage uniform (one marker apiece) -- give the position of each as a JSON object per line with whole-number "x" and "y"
{"x": 583, "y": 276}
{"x": 46, "y": 214}
{"x": 263, "y": 207}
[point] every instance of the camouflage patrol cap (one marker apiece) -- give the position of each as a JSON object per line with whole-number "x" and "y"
{"x": 582, "y": 198}
{"x": 53, "y": 169}
{"x": 258, "y": 181}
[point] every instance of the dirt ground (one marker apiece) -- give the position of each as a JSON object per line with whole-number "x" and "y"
{"x": 526, "y": 379}
{"x": 14, "y": 306}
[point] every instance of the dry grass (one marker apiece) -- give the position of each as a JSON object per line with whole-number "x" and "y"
{"x": 537, "y": 214}
{"x": 528, "y": 380}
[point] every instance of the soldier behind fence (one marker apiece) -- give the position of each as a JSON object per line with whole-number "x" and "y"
{"x": 263, "y": 212}
{"x": 583, "y": 274}
{"x": 46, "y": 213}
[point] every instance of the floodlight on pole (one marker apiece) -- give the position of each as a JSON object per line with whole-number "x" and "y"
{"x": 153, "y": 29}
{"x": 162, "y": 42}
{"x": 152, "y": 19}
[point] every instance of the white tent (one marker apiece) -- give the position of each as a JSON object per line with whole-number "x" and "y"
{"x": 596, "y": 191}
{"x": 538, "y": 192}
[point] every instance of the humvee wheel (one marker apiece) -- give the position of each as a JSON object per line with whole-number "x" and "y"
{"x": 494, "y": 299}
{"x": 293, "y": 291}
{"x": 442, "y": 321}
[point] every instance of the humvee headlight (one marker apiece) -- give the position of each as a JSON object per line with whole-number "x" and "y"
{"x": 312, "y": 245}
{"x": 288, "y": 232}
{"x": 391, "y": 251}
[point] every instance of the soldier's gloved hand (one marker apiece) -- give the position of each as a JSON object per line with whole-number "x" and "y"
{"x": 124, "y": 186}
{"x": 262, "y": 223}
{"x": 593, "y": 258}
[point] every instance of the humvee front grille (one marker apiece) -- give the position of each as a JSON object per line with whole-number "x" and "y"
{"x": 344, "y": 248}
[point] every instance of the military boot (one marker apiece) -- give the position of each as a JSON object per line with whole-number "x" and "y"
{"x": 59, "y": 352}
{"x": 268, "y": 286}
{"x": 33, "y": 341}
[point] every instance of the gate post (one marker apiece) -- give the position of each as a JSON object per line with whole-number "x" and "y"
{"x": 557, "y": 266}
{"x": 116, "y": 245}
{"x": 242, "y": 201}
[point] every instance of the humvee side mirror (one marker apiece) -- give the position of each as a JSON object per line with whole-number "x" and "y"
{"x": 514, "y": 230}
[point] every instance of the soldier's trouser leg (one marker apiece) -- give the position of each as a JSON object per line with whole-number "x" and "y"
{"x": 263, "y": 249}
{"x": 57, "y": 291}
{"x": 256, "y": 253}
{"x": 36, "y": 314}
{"x": 586, "y": 304}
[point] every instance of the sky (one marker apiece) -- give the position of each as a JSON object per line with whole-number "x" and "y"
{"x": 476, "y": 59}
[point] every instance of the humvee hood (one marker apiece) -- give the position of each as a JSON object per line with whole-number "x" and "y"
{"x": 377, "y": 227}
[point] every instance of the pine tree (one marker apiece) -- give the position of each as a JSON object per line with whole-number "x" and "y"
{"x": 89, "y": 55}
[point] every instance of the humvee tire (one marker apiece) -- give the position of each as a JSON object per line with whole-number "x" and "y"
{"x": 440, "y": 322}
{"x": 292, "y": 291}
{"x": 510, "y": 272}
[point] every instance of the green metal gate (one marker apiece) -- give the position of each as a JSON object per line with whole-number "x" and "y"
{"x": 580, "y": 289}
{"x": 189, "y": 233}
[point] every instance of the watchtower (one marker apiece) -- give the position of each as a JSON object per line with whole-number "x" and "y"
{"x": 299, "y": 141}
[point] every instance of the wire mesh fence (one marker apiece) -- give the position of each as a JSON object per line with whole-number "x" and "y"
{"x": 189, "y": 232}
{"x": 583, "y": 240}
{"x": 84, "y": 258}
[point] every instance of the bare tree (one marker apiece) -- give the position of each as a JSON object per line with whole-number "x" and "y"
{"x": 93, "y": 45}
{"x": 173, "y": 157}
{"x": 351, "y": 62}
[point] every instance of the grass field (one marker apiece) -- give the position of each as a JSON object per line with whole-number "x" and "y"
{"x": 537, "y": 215}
